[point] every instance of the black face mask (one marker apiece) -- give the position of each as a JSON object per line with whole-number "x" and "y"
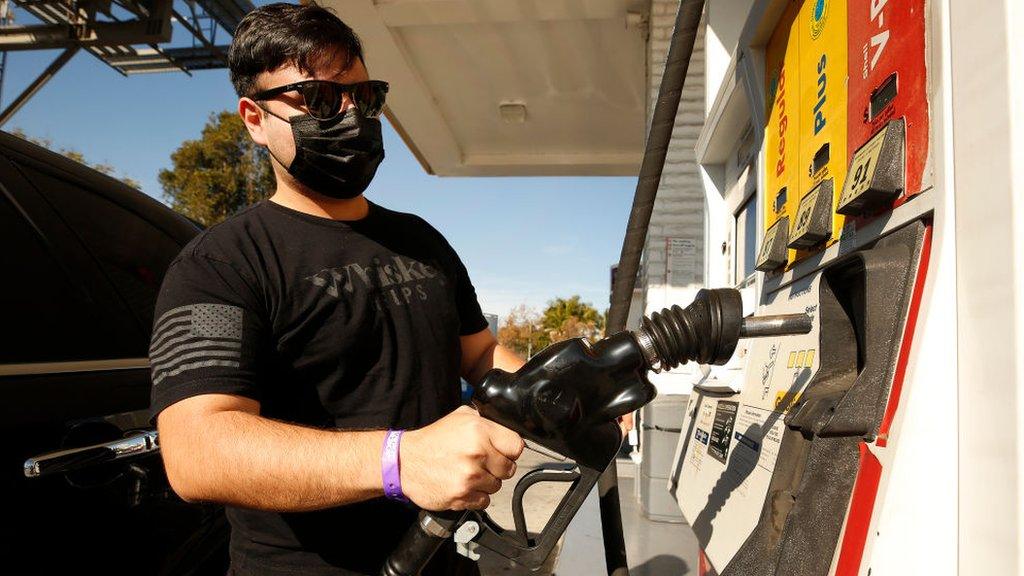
{"x": 336, "y": 158}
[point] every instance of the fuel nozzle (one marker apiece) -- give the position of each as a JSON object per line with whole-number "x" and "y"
{"x": 567, "y": 397}
{"x": 707, "y": 330}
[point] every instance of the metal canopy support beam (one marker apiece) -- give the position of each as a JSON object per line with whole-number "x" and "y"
{"x": 38, "y": 83}
{"x": 167, "y": 60}
{"x": 227, "y": 13}
{"x": 155, "y": 29}
{"x": 113, "y": 42}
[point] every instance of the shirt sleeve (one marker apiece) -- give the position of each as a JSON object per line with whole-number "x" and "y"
{"x": 207, "y": 334}
{"x": 471, "y": 317}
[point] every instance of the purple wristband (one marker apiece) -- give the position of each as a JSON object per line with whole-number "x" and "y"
{"x": 389, "y": 466}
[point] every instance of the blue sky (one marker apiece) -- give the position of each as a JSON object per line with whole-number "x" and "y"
{"x": 523, "y": 240}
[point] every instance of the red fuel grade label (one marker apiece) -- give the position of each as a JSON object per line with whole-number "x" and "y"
{"x": 888, "y": 77}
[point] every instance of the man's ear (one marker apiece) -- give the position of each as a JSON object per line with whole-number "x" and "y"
{"x": 253, "y": 118}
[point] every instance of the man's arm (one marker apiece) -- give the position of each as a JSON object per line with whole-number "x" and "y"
{"x": 481, "y": 352}
{"x": 217, "y": 448}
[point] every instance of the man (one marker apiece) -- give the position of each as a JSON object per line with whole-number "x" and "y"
{"x": 293, "y": 342}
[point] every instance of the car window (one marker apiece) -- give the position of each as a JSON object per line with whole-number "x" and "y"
{"x": 131, "y": 252}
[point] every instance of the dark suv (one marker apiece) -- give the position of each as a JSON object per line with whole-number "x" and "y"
{"x": 82, "y": 259}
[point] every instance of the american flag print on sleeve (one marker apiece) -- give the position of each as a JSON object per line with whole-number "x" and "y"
{"x": 208, "y": 335}
{"x": 195, "y": 336}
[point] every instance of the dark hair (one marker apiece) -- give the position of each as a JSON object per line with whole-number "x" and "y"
{"x": 307, "y": 36}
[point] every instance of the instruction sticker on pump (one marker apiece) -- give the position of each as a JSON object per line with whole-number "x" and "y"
{"x": 721, "y": 430}
{"x": 758, "y": 437}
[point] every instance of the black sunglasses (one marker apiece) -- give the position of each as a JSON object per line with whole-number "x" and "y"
{"x": 323, "y": 98}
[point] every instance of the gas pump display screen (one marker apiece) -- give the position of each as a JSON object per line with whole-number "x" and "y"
{"x": 881, "y": 97}
{"x": 721, "y": 430}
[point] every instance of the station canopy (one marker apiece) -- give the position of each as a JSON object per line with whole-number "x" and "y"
{"x": 510, "y": 87}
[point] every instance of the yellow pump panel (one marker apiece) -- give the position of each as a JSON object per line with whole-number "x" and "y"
{"x": 822, "y": 31}
{"x": 781, "y": 141}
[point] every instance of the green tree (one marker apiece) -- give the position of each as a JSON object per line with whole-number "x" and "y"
{"x": 77, "y": 157}
{"x": 522, "y": 332}
{"x": 218, "y": 174}
{"x": 566, "y": 318}
{"x": 526, "y": 332}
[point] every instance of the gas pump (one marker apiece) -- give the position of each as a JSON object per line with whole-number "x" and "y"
{"x": 778, "y": 469}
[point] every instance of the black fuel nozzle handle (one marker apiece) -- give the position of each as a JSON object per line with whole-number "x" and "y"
{"x": 568, "y": 397}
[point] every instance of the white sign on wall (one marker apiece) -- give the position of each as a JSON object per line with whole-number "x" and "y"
{"x": 680, "y": 261}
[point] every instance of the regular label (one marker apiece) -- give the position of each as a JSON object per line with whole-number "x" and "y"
{"x": 773, "y": 247}
{"x": 767, "y": 243}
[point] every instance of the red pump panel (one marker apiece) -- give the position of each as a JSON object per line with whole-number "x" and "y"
{"x": 888, "y": 78}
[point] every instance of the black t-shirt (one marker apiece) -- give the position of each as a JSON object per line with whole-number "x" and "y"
{"x": 343, "y": 324}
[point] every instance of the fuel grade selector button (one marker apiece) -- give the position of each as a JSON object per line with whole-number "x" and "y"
{"x": 813, "y": 217}
{"x": 773, "y": 248}
{"x": 876, "y": 176}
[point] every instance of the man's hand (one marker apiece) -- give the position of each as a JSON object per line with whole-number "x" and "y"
{"x": 457, "y": 462}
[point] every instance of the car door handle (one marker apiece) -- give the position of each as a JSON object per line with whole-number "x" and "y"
{"x": 139, "y": 444}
